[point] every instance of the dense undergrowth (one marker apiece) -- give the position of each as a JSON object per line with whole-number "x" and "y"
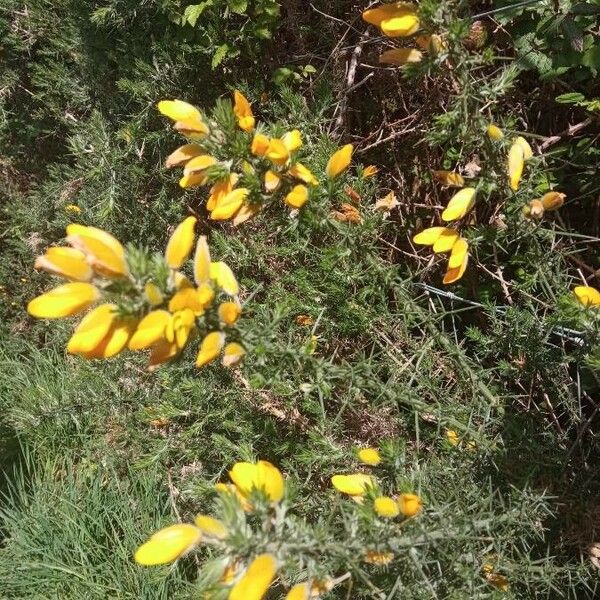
{"x": 482, "y": 395}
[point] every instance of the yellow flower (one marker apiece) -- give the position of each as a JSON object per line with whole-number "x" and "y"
{"x": 495, "y": 579}
{"x": 397, "y": 19}
{"x": 353, "y": 485}
{"x": 277, "y": 152}
{"x": 299, "y": 171}
{"x": 233, "y": 354}
{"x": 553, "y": 200}
{"x": 202, "y": 261}
{"x": 260, "y": 144}
{"x": 258, "y": 476}
{"x": 449, "y": 178}
{"x": 199, "y": 164}
{"x": 369, "y": 456}
{"x": 339, "y": 161}
{"x": 162, "y": 352}
{"x": 63, "y": 301}
{"x": 112, "y": 343}
{"x": 516, "y": 162}
{"x": 180, "y": 244}
{"x": 432, "y": 43}
{"x": 401, "y": 56}
{"x": 292, "y": 140}
{"x": 92, "y": 329}
{"x": 445, "y": 242}
{"x": 224, "y": 278}
{"x": 369, "y": 171}
{"x": 386, "y": 507}
{"x": 429, "y": 236}
{"x": 452, "y": 437}
{"x": 153, "y": 294}
{"x": 179, "y": 327}
{"x": 229, "y": 204}
{"x": 374, "y": 557}
{"x": 229, "y": 312}
{"x": 104, "y": 252}
{"x": 410, "y": 504}
{"x": 272, "y": 181}
{"x": 66, "y": 262}
{"x": 243, "y": 112}
{"x": 73, "y": 209}
{"x": 494, "y": 132}
{"x": 257, "y": 579}
{"x": 524, "y": 144}
{"x": 247, "y": 211}
{"x": 460, "y": 204}
{"x": 211, "y": 527}
{"x": 182, "y": 155}
{"x": 587, "y": 295}
{"x": 301, "y": 591}
{"x": 193, "y": 180}
{"x": 150, "y": 330}
{"x": 220, "y": 189}
{"x": 231, "y": 490}
{"x": 297, "y": 197}
{"x": 210, "y": 348}
{"x": 188, "y": 119}
{"x": 168, "y": 544}
{"x": 457, "y": 263}
{"x": 188, "y": 298}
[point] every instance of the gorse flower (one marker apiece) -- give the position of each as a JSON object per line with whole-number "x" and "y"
{"x": 410, "y": 504}
{"x": 339, "y": 161}
{"x": 256, "y": 580}
{"x": 587, "y": 295}
{"x": 520, "y": 151}
{"x": 537, "y": 207}
{"x": 243, "y": 171}
{"x": 396, "y": 19}
{"x": 144, "y": 303}
{"x": 354, "y": 485}
{"x": 369, "y": 456}
{"x": 494, "y": 132}
{"x": 444, "y": 239}
{"x": 261, "y": 476}
{"x": 460, "y": 204}
{"x": 168, "y": 544}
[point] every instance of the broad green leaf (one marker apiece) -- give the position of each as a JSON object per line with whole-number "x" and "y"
{"x": 192, "y": 13}
{"x": 219, "y": 55}
{"x": 238, "y": 6}
{"x": 570, "y": 98}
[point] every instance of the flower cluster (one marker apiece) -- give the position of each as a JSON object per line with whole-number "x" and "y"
{"x": 142, "y": 302}
{"x": 401, "y": 20}
{"x": 244, "y": 168}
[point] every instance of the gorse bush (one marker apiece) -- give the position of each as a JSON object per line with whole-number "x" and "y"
{"x": 383, "y": 436}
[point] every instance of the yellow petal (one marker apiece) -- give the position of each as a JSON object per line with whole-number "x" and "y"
{"x": 180, "y": 243}
{"x": 339, "y": 161}
{"x": 224, "y": 277}
{"x": 410, "y": 504}
{"x": 258, "y": 476}
{"x": 369, "y": 456}
{"x": 272, "y": 181}
{"x": 429, "y": 236}
{"x": 168, "y": 544}
{"x": 257, "y": 579}
{"x": 277, "y": 152}
{"x": 297, "y": 197}
{"x": 195, "y": 129}
{"x": 452, "y": 437}
{"x": 66, "y": 262}
{"x": 453, "y": 274}
{"x": 446, "y": 241}
{"x": 245, "y": 213}
{"x": 193, "y": 180}
{"x": 220, "y": 189}
{"x": 63, "y": 301}
{"x": 232, "y": 354}
{"x": 211, "y": 527}
{"x": 103, "y": 251}
{"x": 198, "y": 164}
{"x": 206, "y": 293}
{"x": 180, "y": 281}
{"x": 587, "y": 295}
{"x": 179, "y": 327}
{"x": 401, "y": 56}
{"x": 386, "y": 507}
{"x": 243, "y": 111}
{"x": 114, "y": 341}
{"x": 202, "y": 261}
{"x": 260, "y": 144}
{"x": 458, "y": 253}
{"x": 524, "y": 144}
{"x": 229, "y": 204}
{"x": 375, "y": 16}
{"x": 182, "y": 155}
{"x": 187, "y": 298}
{"x": 494, "y": 132}
{"x": 92, "y": 329}
{"x": 229, "y": 312}
{"x": 460, "y": 204}
{"x": 299, "y": 171}
{"x": 301, "y": 591}
{"x": 210, "y": 348}
{"x": 516, "y": 163}
{"x": 292, "y": 140}
{"x": 178, "y": 110}
{"x": 400, "y": 26}
{"x": 353, "y": 485}
{"x": 153, "y": 294}
{"x": 449, "y": 178}
{"x": 150, "y": 330}
{"x": 246, "y": 123}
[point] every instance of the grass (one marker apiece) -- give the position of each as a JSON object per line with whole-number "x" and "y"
{"x": 98, "y": 455}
